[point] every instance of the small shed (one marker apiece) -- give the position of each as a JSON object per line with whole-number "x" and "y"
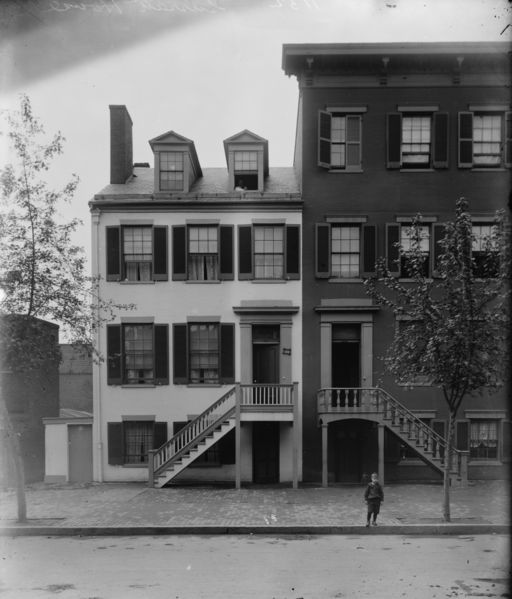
{"x": 68, "y": 447}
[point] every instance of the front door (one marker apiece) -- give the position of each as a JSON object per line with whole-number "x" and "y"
{"x": 265, "y": 355}
{"x": 346, "y": 362}
{"x": 265, "y": 452}
{"x": 80, "y": 453}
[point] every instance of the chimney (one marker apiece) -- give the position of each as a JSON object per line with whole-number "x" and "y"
{"x": 121, "y": 150}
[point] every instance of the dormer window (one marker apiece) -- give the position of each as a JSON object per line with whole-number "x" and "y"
{"x": 246, "y": 170}
{"x": 171, "y": 171}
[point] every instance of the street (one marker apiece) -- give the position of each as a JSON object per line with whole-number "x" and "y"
{"x": 263, "y": 567}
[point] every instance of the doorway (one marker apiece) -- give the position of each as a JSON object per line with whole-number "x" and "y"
{"x": 353, "y": 450}
{"x": 265, "y": 354}
{"x": 80, "y": 453}
{"x": 346, "y": 359}
{"x": 265, "y": 452}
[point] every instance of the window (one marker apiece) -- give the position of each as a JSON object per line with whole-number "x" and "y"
{"x": 417, "y": 139}
{"x": 412, "y": 238}
{"x": 203, "y": 353}
{"x": 246, "y": 169}
{"x": 268, "y": 252}
{"x": 484, "y": 251}
{"x": 485, "y": 139}
{"x": 129, "y": 441}
{"x": 137, "y": 354}
{"x": 345, "y": 250}
{"x": 171, "y": 171}
{"x": 203, "y": 258}
{"x": 483, "y": 441}
{"x": 202, "y": 252}
{"x": 136, "y": 253}
{"x": 339, "y": 141}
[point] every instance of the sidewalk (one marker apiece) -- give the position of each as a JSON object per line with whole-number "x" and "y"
{"x": 133, "y": 508}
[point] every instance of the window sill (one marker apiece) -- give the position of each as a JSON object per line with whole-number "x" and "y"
{"x": 346, "y": 280}
{"x": 209, "y": 282}
{"x": 138, "y": 386}
{"x": 271, "y": 281}
{"x": 496, "y": 169}
{"x": 137, "y": 282}
{"x": 419, "y": 170}
{"x": 408, "y": 280}
{"x": 344, "y": 171}
{"x": 203, "y": 385}
{"x": 135, "y": 465}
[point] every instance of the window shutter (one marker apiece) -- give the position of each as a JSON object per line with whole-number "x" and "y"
{"x": 114, "y": 354}
{"x": 462, "y": 435}
{"x": 113, "y": 253}
{"x": 226, "y": 252}
{"x": 180, "y": 354}
{"x": 115, "y": 436}
{"x": 506, "y": 448}
{"x": 394, "y": 139}
{"x": 160, "y": 253}
{"x": 438, "y": 235}
{"x": 369, "y": 249}
{"x": 439, "y": 427}
{"x": 440, "y": 159}
{"x": 159, "y": 434}
{"x": 245, "y": 252}
{"x": 227, "y": 353}
{"x": 161, "y": 354}
{"x": 508, "y": 139}
{"x": 392, "y": 250}
{"x": 323, "y": 250}
{"x": 324, "y": 139}
{"x": 465, "y": 139}
{"x": 293, "y": 252}
{"x": 179, "y": 253}
{"x": 353, "y": 160}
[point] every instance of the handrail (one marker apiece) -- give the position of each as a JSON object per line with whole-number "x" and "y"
{"x": 356, "y": 395}
{"x": 266, "y": 395}
{"x": 193, "y": 431}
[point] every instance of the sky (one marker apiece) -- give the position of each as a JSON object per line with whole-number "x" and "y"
{"x": 206, "y": 69}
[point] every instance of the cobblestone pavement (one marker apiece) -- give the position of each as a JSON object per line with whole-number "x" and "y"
{"x": 134, "y": 504}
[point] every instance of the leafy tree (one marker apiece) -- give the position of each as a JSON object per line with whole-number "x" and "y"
{"x": 42, "y": 271}
{"x": 451, "y": 328}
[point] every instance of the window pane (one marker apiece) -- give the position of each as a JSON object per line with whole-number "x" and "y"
{"x": 138, "y": 354}
{"x": 171, "y": 171}
{"x": 345, "y": 244}
{"x": 268, "y": 252}
{"x": 203, "y": 254}
{"x": 204, "y": 353}
{"x": 246, "y": 161}
{"x": 138, "y": 253}
{"x": 138, "y": 440}
{"x": 416, "y": 132}
{"x": 487, "y": 140}
{"x": 483, "y": 443}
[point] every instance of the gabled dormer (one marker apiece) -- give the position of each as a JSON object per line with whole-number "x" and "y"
{"x": 176, "y": 163}
{"x": 247, "y": 158}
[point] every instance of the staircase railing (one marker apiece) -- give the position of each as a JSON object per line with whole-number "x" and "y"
{"x": 194, "y": 431}
{"x": 355, "y": 400}
{"x": 266, "y": 395}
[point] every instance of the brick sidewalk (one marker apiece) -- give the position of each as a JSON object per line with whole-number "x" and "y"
{"x": 106, "y": 505}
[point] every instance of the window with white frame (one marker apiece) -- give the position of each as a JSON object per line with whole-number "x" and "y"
{"x": 268, "y": 252}
{"x": 483, "y": 440}
{"x": 345, "y": 251}
{"x": 138, "y": 253}
{"x": 246, "y": 169}
{"x": 485, "y": 138}
{"x": 138, "y": 440}
{"x": 171, "y": 171}
{"x": 203, "y": 253}
{"x": 414, "y": 238}
{"x": 138, "y": 354}
{"x": 339, "y": 140}
{"x": 484, "y": 250}
{"x": 416, "y": 141}
{"x": 204, "y": 353}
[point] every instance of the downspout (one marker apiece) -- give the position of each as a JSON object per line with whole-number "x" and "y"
{"x": 96, "y": 385}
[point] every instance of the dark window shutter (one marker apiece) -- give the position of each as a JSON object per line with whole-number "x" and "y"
{"x": 508, "y": 139}
{"x": 161, "y": 354}
{"x": 114, "y": 354}
{"x": 179, "y": 253}
{"x": 324, "y": 139}
{"x": 437, "y": 250}
{"x": 323, "y": 250}
{"x": 226, "y": 252}
{"x": 115, "y": 440}
{"x": 506, "y": 447}
{"x": 113, "y": 254}
{"x": 465, "y": 139}
{"x": 180, "y": 354}
{"x": 353, "y": 143}
{"x": 462, "y": 435}
{"x": 245, "y": 252}
{"x": 392, "y": 251}
{"x": 440, "y": 159}
{"x": 160, "y": 253}
{"x": 369, "y": 249}
{"x": 227, "y": 353}
{"x": 439, "y": 427}
{"x": 293, "y": 252}
{"x": 394, "y": 140}
{"x": 159, "y": 434}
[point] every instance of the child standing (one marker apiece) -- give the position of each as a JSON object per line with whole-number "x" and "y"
{"x": 374, "y": 496}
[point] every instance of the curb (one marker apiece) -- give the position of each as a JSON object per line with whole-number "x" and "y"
{"x": 413, "y": 529}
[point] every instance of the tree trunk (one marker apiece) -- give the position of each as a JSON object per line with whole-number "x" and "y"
{"x": 15, "y": 451}
{"x": 447, "y": 467}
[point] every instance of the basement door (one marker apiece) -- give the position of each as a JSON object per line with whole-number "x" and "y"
{"x": 80, "y": 453}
